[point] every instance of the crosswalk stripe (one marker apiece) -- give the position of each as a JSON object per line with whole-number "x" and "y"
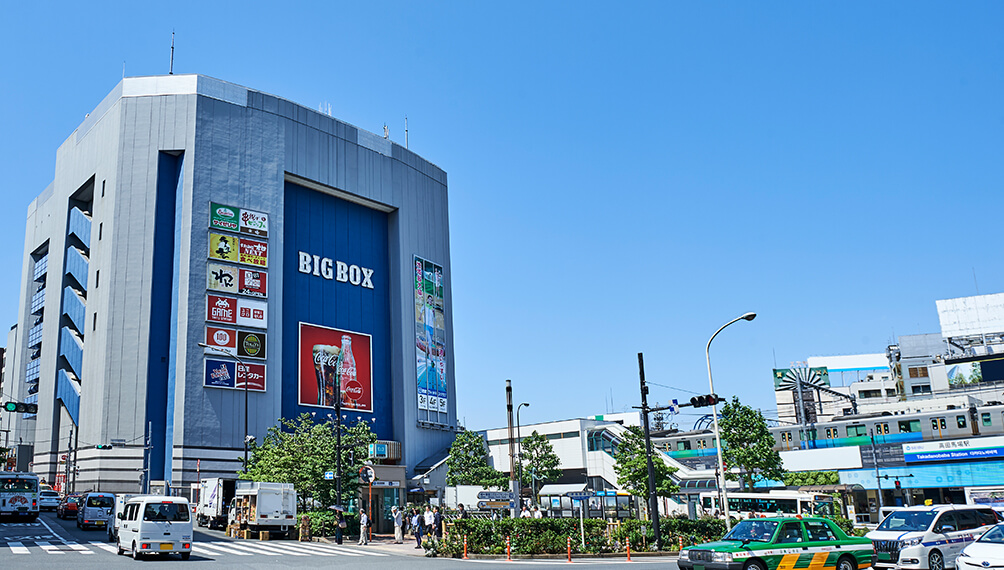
{"x": 49, "y": 548}
{"x": 202, "y": 551}
{"x": 262, "y": 549}
{"x": 359, "y": 552}
{"x": 301, "y": 550}
{"x": 105, "y": 547}
{"x": 18, "y": 548}
{"x": 224, "y": 550}
{"x": 78, "y": 547}
{"x": 323, "y": 548}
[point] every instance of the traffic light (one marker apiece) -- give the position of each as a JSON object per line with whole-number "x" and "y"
{"x": 102, "y": 446}
{"x": 707, "y": 400}
{"x": 21, "y": 408}
{"x": 898, "y": 486}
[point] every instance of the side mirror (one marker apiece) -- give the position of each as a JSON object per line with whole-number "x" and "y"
{"x": 121, "y": 516}
{"x": 946, "y": 528}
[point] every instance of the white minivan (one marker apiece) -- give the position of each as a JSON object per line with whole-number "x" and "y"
{"x": 928, "y": 537}
{"x": 154, "y": 524}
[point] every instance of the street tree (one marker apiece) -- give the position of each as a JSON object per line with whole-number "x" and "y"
{"x": 632, "y": 467}
{"x": 539, "y": 460}
{"x": 467, "y": 463}
{"x": 299, "y": 451}
{"x": 748, "y": 445}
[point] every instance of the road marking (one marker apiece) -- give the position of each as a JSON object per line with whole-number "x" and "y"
{"x": 18, "y": 548}
{"x": 202, "y": 551}
{"x": 262, "y": 549}
{"x": 224, "y": 550}
{"x": 78, "y": 547}
{"x": 105, "y": 547}
{"x": 49, "y": 548}
{"x": 54, "y": 533}
{"x": 301, "y": 550}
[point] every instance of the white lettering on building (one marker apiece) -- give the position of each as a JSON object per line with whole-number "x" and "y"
{"x": 343, "y": 272}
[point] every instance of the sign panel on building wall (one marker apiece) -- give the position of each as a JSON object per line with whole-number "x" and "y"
{"x": 233, "y": 375}
{"x": 252, "y": 313}
{"x": 430, "y": 338}
{"x": 335, "y": 363}
{"x": 218, "y": 337}
{"x": 223, "y": 278}
{"x": 254, "y": 223}
{"x": 250, "y": 344}
{"x": 223, "y": 247}
{"x": 253, "y": 252}
{"x": 253, "y": 282}
{"x": 221, "y": 309}
{"x": 223, "y": 217}
{"x": 955, "y": 449}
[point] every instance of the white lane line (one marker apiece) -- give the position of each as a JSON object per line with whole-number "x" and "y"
{"x": 224, "y": 550}
{"x": 105, "y": 547}
{"x": 54, "y": 533}
{"x": 321, "y": 547}
{"x": 18, "y": 548}
{"x": 301, "y": 551}
{"x": 261, "y": 549}
{"x": 78, "y": 547}
{"x": 49, "y": 548}
{"x": 358, "y": 552}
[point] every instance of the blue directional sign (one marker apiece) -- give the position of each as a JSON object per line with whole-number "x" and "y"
{"x": 496, "y": 504}
{"x": 579, "y": 495}
{"x": 329, "y": 475}
{"x": 497, "y": 496}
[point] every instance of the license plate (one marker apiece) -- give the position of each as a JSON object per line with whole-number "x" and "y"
{"x": 885, "y": 556}
{"x": 698, "y": 566}
{"x": 167, "y": 546}
{"x": 101, "y": 523}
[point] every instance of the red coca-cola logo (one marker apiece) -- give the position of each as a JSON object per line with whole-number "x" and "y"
{"x": 354, "y": 389}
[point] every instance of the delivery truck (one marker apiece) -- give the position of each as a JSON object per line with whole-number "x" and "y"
{"x": 215, "y": 494}
{"x": 259, "y": 506}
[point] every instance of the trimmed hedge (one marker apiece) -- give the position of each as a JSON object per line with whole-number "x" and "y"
{"x": 528, "y": 536}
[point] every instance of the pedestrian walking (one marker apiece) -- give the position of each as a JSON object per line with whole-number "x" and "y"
{"x": 398, "y": 522}
{"x": 416, "y": 523}
{"x": 537, "y": 513}
{"x": 429, "y": 519}
{"x": 340, "y": 525}
{"x": 525, "y": 513}
{"x": 437, "y": 520}
{"x": 364, "y": 523}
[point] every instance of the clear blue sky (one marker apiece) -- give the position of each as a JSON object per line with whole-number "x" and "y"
{"x": 622, "y": 179}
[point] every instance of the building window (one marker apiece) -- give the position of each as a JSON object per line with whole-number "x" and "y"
{"x": 961, "y": 421}
{"x": 870, "y": 394}
{"x": 890, "y": 392}
{"x": 94, "y": 322}
{"x": 682, "y": 445}
{"x": 97, "y": 278}
{"x": 103, "y": 188}
{"x": 985, "y": 416}
{"x": 909, "y": 426}
{"x": 922, "y": 389}
{"x": 855, "y": 431}
{"x": 918, "y": 371}
{"x": 101, "y": 230}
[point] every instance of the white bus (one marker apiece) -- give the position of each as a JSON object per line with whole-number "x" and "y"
{"x": 18, "y": 495}
{"x": 746, "y": 505}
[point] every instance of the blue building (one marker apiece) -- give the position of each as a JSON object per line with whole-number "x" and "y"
{"x": 310, "y": 256}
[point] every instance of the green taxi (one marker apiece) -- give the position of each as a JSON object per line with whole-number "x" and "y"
{"x": 781, "y": 543}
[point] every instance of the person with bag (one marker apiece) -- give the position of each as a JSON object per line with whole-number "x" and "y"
{"x": 340, "y": 526}
{"x": 416, "y": 523}
{"x": 364, "y": 526}
{"x": 398, "y": 522}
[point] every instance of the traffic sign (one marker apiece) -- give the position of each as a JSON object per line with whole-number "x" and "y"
{"x": 497, "y": 496}
{"x": 579, "y": 495}
{"x": 496, "y": 504}
{"x": 329, "y": 475}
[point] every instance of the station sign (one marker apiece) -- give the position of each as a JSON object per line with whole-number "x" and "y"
{"x": 954, "y": 449}
{"x": 496, "y": 504}
{"x": 497, "y": 496}
{"x": 579, "y": 495}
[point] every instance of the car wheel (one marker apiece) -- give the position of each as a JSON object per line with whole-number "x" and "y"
{"x": 846, "y": 563}
{"x": 755, "y": 565}
{"x": 118, "y": 547}
{"x": 135, "y": 553}
{"x": 186, "y": 555}
{"x": 936, "y": 561}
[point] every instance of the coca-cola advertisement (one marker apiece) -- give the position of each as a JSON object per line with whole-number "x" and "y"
{"x": 335, "y": 363}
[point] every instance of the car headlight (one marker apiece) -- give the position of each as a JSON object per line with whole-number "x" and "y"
{"x": 684, "y": 555}
{"x": 721, "y": 557}
{"x": 912, "y": 542}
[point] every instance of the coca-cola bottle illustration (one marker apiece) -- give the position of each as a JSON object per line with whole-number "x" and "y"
{"x": 352, "y": 390}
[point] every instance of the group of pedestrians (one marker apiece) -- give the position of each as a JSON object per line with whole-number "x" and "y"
{"x": 421, "y": 524}
{"x": 429, "y": 523}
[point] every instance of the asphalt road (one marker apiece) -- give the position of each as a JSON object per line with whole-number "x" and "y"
{"x": 34, "y": 545}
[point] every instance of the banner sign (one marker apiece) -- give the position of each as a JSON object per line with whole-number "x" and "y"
{"x": 252, "y": 313}
{"x": 430, "y": 337}
{"x": 955, "y": 450}
{"x": 233, "y": 375}
{"x": 254, "y": 223}
{"x": 253, "y": 252}
{"x": 221, "y": 338}
{"x": 223, "y": 247}
{"x": 253, "y": 282}
{"x": 251, "y": 344}
{"x": 223, "y": 217}
{"x": 221, "y": 310}
{"x": 335, "y": 363}
{"x": 222, "y": 278}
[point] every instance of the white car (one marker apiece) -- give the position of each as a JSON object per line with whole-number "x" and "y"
{"x": 986, "y": 552}
{"x": 48, "y": 500}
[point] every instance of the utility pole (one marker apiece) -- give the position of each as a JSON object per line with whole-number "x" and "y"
{"x": 653, "y": 499}
{"x": 66, "y": 480}
{"x": 76, "y": 446}
{"x": 513, "y": 485}
{"x": 878, "y": 481}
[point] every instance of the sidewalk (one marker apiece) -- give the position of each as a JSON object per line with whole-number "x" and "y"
{"x": 381, "y": 542}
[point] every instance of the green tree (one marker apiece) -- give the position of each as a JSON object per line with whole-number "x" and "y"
{"x": 300, "y": 451}
{"x": 467, "y": 463}
{"x": 801, "y": 478}
{"x": 632, "y": 467}
{"x": 539, "y": 460}
{"x": 976, "y": 373}
{"x": 748, "y": 445}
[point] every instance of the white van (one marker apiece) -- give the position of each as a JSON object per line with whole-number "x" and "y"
{"x": 153, "y": 524}
{"x": 927, "y": 537}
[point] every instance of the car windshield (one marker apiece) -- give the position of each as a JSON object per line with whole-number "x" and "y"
{"x": 994, "y": 535}
{"x": 29, "y": 485}
{"x": 100, "y": 501}
{"x": 760, "y": 531}
{"x": 173, "y": 512}
{"x": 907, "y": 521}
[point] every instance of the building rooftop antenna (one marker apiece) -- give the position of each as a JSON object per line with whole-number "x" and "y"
{"x": 170, "y": 70}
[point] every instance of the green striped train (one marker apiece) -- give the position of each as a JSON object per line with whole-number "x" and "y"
{"x": 781, "y": 543}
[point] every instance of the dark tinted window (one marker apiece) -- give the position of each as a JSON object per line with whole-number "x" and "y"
{"x": 946, "y": 520}
{"x": 966, "y": 520}
{"x": 166, "y": 512}
{"x": 985, "y": 517}
{"x": 819, "y": 531}
{"x": 99, "y": 501}
{"x": 790, "y": 532}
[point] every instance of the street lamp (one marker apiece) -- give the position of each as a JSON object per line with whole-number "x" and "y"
{"x": 241, "y": 362}
{"x": 714, "y": 415}
{"x": 519, "y": 450}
